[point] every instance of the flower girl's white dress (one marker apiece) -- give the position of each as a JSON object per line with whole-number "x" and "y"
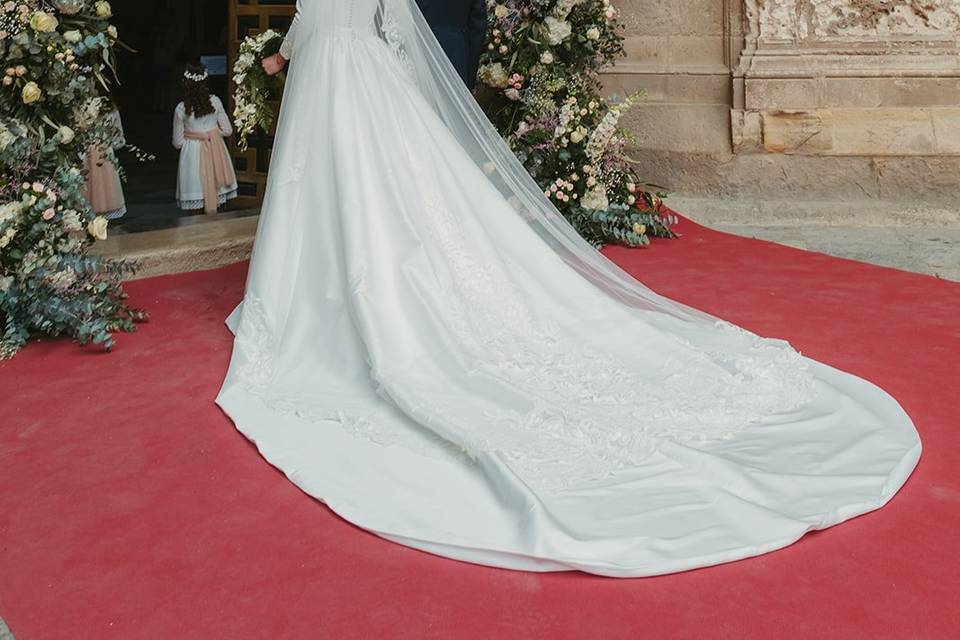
{"x": 200, "y": 141}
{"x": 426, "y": 347}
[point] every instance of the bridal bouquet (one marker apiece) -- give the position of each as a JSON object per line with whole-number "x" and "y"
{"x": 253, "y": 85}
{"x": 57, "y": 56}
{"x": 543, "y": 93}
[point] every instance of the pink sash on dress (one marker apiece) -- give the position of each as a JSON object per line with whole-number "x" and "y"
{"x": 214, "y": 170}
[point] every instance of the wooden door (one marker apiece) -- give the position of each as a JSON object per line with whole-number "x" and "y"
{"x": 250, "y": 17}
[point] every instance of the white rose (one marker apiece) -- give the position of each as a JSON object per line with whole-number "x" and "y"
{"x": 98, "y": 228}
{"x": 65, "y": 135}
{"x": 546, "y": 58}
{"x": 501, "y": 11}
{"x": 593, "y": 33}
{"x": 73, "y": 36}
{"x": 512, "y": 94}
{"x": 103, "y": 9}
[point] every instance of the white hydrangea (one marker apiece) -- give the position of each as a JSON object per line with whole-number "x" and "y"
{"x": 557, "y": 30}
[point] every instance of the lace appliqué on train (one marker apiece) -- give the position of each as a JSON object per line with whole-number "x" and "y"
{"x": 589, "y": 420}
{"x": 256, "y": 371}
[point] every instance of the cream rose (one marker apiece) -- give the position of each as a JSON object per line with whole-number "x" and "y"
{"x": 31, "y": 93}
{"x": 495, "y": 75}
{"x": 593, "y": 33}
{"x": 73, "y": 36}
{"x": 43, "y": 22}
{"x": 103, "y": 9}
{"x": 98, "y": 228}
{"x": 596, "y": 199}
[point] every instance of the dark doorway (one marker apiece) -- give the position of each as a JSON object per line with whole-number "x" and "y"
{"x": 166, "y": 34}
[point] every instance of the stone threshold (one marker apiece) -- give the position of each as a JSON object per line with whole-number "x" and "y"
{"x": 192, "y": 247}
{"x": 916, "y": 237}
{"x": 864, "y": 212}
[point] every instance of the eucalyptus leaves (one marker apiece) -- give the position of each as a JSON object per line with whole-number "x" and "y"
{"x": 59, "y": 56}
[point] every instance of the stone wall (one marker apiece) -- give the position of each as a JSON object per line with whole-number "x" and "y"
{"x": 826, "y": 100}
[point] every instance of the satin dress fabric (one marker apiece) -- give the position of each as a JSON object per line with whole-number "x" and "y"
{"x": 411, "y": 354}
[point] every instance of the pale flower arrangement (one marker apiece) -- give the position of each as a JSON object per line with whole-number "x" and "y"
{"x": 542, "y": 91}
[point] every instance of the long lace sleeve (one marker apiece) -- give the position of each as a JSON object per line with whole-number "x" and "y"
{"x": 179, "y": 118}
{"x": 286, "y": 49}
{"x": 223, "y": 120}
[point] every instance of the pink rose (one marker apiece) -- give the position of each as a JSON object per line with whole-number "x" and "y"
{"x": 48, "y": 214}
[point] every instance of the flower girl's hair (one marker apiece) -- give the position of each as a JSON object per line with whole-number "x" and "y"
{"x": 196, "y": 91}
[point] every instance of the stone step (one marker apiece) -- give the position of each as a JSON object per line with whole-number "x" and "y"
{"x": 191, "y": 247}
{"x": 918, "y": 239}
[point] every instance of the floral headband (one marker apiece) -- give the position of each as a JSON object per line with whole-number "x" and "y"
{"x": 196, "y": 77}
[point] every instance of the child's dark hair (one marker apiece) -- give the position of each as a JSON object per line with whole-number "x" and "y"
{"x": 196, "y": 91}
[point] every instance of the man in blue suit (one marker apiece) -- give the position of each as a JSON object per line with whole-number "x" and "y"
{"x": 461, "y": 28}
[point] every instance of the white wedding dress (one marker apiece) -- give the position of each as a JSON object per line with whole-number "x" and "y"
{"x": 428, "y": 348}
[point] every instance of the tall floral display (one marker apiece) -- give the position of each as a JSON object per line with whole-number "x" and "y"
{"x": 58, "y": 57}
{"x": 541, "y": 75}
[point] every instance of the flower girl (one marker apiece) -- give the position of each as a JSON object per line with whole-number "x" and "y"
{"x": 104, "y": 190}
{"x": 206, "y": 178}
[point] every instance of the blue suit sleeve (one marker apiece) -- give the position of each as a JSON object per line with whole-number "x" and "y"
{"x": 478, "y": 34}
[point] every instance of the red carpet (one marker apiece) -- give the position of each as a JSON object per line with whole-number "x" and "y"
{"x": 131, "y": 508}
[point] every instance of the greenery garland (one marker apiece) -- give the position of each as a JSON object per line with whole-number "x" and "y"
{"x": 60, "y": 56}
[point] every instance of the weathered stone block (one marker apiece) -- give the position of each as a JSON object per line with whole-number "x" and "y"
{"x": 796, "y": 132}
{"x": 781, "y": 94}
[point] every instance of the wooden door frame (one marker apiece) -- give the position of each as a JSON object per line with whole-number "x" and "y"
{"x": 248, "y": 17}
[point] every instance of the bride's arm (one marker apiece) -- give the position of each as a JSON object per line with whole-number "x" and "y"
{"x": 286, "y": 49}
{"x": 276, "y": 63}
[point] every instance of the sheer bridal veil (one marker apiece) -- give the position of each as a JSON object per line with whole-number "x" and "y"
{"x": 403, "y": 27}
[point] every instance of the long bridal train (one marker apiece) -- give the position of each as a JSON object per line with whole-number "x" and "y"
{"x": 425, "y": 347}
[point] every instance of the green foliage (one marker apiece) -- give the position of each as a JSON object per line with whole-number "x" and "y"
{"x": 60, "y": 58}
